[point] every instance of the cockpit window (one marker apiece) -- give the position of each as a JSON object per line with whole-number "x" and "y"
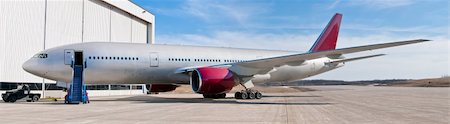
{"x": 41, "y": 55}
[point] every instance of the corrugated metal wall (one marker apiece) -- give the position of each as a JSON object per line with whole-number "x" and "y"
{"x": 22, "y": 35}
{"x": 97, "y": 23}
{"x": 120, "y": 26}
{"x": 64, "y": 23}
{"x": 27, "y": 27}
{"x": 139, "y": 32}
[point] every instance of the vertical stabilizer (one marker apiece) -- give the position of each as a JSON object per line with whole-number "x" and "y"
{"x": 328, "y": 38}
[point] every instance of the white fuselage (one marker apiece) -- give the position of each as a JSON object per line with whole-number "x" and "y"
{"x": 115, "y": 63}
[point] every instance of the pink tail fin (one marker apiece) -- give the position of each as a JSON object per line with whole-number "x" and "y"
{"x": 328, "y": 38}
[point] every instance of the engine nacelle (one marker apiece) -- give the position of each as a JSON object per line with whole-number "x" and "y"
{"x": 161, "y": 87}
{"x": 212, "y": 80}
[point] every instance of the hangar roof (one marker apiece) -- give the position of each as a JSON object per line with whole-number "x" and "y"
{"x": 132, "y": 9}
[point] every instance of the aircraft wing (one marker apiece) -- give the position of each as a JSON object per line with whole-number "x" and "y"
{"x": 262, "y": 66}
{"x": 353, "y": 59}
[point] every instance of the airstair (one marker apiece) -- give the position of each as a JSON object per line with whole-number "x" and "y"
{"x": 77, "y": 92}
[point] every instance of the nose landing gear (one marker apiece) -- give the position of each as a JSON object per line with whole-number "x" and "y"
{"x": 248, "y": 94}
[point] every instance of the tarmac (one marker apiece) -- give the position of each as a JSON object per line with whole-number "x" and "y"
{"x": 328, "y": 104}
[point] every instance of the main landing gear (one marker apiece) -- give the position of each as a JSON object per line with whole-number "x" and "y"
{"x": 248, "y": 94}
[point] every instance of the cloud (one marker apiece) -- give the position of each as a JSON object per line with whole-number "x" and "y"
{"x": 417, "y": 29}
{"x": 291, "y": 42}
{"x": 381, "y": 4}
{"x": 424, "y": 60}
{"x": 334, "y": 4}
{"x": 210, "y": 11}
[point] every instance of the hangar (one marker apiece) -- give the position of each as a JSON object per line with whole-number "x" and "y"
{"x": 27, "y": 27}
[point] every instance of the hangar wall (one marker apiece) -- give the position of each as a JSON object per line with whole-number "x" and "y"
{"x": 27, "y": 27}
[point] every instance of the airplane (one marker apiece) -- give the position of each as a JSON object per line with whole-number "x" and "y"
{"x": 211, "y": 71}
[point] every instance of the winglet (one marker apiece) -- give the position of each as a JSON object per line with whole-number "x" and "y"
{"x": 328, "y": 38}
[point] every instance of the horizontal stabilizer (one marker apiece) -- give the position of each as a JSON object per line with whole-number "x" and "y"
{"x": 353, "y": 59}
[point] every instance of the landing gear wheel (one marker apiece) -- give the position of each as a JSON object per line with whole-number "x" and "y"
{"x": 251, "y": 95}
{"x": 258, "y": 95}
{"x": 238, "y": 95}
{"x": 248, "y": 94}
{"x": 244, "y": 95}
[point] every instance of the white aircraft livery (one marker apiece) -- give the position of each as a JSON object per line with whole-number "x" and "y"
{"x": 211, "y": 71}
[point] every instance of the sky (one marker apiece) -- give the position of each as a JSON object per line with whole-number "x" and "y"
{"x": 295, "y": 24}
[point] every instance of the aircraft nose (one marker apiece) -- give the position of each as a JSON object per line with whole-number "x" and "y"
{"x": 30, "y": 66}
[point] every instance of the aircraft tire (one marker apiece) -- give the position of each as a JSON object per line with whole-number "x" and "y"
{"x": 251, "y": 95}
{"x": 258, "y": 95}
{"x": 238, "y": 95}
{"x": 244, "y": 95}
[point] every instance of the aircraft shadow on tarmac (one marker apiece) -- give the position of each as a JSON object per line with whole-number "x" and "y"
{"x": 228, "y": 100}
{"x": 287, "y": 96}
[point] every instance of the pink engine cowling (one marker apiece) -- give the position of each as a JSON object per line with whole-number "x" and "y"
{"x": 212, "y": 80}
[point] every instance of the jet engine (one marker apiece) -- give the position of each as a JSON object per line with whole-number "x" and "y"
{"x": 212, "y": 80}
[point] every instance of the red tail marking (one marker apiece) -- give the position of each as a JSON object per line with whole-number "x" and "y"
{"x": 328, "y": 38}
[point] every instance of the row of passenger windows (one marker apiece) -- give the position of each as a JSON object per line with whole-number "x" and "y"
{"x": 113, "y": 58}
{"x": 203, "y": 60}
